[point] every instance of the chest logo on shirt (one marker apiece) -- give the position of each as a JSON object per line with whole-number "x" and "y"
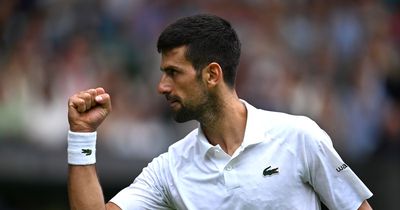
{"x": 268, "y": 171}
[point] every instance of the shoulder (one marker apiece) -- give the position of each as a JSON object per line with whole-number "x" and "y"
{"x": 185, "y": 142}
{"x": 287, "y": 122}
{"x": 177, "y": 152}
{"x": 183, "y": 149}
{"x": 178, "y": 148}
{"x": 279, "y": 125}
{"x": 280, "y": 121}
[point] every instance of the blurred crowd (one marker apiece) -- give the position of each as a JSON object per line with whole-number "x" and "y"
{"x": 336, "y": 61}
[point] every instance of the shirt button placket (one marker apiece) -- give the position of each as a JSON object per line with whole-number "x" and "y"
{"x": 230, "y": 177}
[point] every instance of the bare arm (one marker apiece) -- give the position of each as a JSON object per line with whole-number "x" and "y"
{"x": 84, "y": 189}
{"x": 86, "y": 111}
{"x": 365, "y": 206}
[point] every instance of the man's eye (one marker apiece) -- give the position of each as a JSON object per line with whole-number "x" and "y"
{"x": 171, "y": 72}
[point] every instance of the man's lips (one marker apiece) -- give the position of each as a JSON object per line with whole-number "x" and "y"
{"x": 172, "y": 100}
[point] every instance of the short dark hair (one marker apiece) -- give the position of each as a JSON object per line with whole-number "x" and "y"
{"x": 208, "y": 38}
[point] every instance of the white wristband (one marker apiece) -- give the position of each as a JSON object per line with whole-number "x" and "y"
{"x": 81, "y": 148}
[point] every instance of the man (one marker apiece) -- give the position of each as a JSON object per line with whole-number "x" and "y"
{"x": 240, "y": 157}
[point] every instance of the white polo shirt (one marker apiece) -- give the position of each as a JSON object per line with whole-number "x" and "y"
{"x": 284, "y": 162}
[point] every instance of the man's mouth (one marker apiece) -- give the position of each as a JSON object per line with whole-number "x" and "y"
{"x": 173, "y": 101}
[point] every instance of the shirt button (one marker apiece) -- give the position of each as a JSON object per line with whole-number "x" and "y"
{"x": 228, "y": 168}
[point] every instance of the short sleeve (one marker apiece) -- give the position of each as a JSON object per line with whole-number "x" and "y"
{"x": 335, "y": 183}
{"x": 148, "y": 190}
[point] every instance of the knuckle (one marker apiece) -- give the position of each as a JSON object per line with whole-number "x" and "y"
{"x": 80, "y": 102}
{"x": 73, "y": 100}
{"x": 86, "y": 95}
{"x": 90, "y": 93}
{"x": 99, "y": 90}
{"x": 83, "y": 94}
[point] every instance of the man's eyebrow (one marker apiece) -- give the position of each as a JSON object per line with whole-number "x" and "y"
{"x": 169, "y": 68}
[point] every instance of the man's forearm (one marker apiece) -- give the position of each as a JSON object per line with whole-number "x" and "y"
{"x": 84, "y": 189}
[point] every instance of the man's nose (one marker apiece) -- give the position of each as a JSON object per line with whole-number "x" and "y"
{"x": 164, "y": 86}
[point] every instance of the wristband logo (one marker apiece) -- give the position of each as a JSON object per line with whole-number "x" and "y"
{"x": 87, "y": 152}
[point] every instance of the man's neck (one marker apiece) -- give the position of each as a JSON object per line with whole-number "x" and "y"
{"x": 227, "y": 126}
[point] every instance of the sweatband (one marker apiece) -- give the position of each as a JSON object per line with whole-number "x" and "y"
{"x": 81, "y": 148}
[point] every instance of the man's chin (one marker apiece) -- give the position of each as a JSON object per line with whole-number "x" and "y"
{"x": 181, "y": 120}
{"x": 180, "y": 117}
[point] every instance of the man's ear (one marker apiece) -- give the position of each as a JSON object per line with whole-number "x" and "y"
{"x": 213, "y": 74}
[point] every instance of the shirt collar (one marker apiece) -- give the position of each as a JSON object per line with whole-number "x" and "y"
{"x": 253, "y": 134}
{"x": 202, "y": 142}
{"x": 255, "y": 131}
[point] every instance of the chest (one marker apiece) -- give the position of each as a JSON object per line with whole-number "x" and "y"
{"x": 262, "y": 177}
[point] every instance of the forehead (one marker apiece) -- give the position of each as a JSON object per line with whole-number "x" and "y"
{"x": 174, "y": 57}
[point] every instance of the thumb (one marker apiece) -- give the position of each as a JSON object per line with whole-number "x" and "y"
{"x": 104, "y": 100}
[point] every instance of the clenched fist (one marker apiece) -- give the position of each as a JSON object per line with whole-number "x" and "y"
{"x": 88, "y": 109}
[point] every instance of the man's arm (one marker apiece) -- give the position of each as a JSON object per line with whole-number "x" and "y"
{"x": 86, "y": 111}
{"x": 365, "y": 206}
{"x": 84, "y": 190}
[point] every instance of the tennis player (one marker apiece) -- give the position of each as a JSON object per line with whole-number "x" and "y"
{"x": 239, "y": 157}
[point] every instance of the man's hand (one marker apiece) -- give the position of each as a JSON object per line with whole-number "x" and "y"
{"x": 87, "y": 109}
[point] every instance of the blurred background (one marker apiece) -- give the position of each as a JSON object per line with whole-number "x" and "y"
{"x": 336, "y": 61}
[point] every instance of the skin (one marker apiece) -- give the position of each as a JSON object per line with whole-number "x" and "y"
{"x": 203, "y": 96}
{"x": 209, "y": 99}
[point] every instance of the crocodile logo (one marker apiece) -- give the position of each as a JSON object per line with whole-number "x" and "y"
{"x": 269, "y": 172}
{"x": 87, "y": 152}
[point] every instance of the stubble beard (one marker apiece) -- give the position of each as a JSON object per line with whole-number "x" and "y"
{"x": 189, "y": 111}
{"x": 184, "y": 114}
{"x": 202, "y": 111}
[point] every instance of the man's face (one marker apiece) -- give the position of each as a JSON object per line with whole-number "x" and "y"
{"x": 183, "y": 88}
